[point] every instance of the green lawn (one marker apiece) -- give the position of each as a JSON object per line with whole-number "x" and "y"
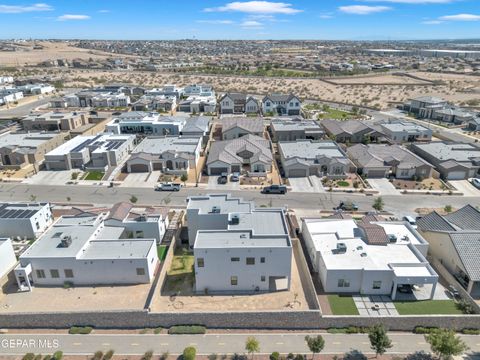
{"x": 162, "y": 252}
{"x": 94, "y": 175}
{"x": 336, "y": 114}
{"x": 427, "y": 307}
{"x": 181, "y": 275}
{"x": 342, "y": 305}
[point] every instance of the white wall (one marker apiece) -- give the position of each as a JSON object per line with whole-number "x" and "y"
{"x": 7, "y": 257}
{"x": 27, "y": 227}
{"x": 196, "y": 221}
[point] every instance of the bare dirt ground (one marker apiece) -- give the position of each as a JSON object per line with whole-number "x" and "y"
{"x": 384, "y": 79}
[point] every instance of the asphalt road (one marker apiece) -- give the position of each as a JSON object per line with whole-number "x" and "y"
{"x": 91, "y": 194}
{"x": 133, "y": 344}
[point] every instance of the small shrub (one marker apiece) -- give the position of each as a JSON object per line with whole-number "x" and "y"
{"x": 28, "y": 356}
{"x": 108, "y": 355}
{"x": 157, "y": 330}
{"x": 290, "y": 356}
{"x": 133, "y": 199}
{"x": 274, "y": 355}
{"x": 165, "y": 355}
{"x": 471, "y": 331}
{"x": 148, "y": 355}
{"x": 300, "y": 357}
{"x": 98, "y": 355}
{"x": 424, "y": 330}
{"x": 212, "y": 357}
{"x": 187, "y": 329}
{"x": 58, "y": 355}
{"x": 465, "y": 307}
{"x": 38, "y": 357}
{"x": 189, "y": 353}
{"x": 80, "y": 330}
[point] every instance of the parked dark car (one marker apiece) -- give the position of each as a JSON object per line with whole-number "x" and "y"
{"x": 346, "y": 206}
{"x": 275, "y": 189}
{"x": 222, "y": 179}
{"x": 405, "y": 289}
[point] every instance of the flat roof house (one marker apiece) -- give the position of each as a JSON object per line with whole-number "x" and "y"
{"x": 399, "y": 131}
{"x": 350, "y": 131}
{"x": 94, "y": 151}
{"x": 367, "y": 257}
{"x": 296, "y": 128}
{"x": 83, "y": 250}
{"x": 378, "y": 161}
{"x": 24, "y": 220}
{"x": 238, "y": 248}
{"x": 146, "y": 123}
{"x": 307, "y": 157}
{"x": 171, "y": 154}
{"x": 54, "y": 121}
{"x": 235, "y": 127}
{"x": 281, "y": 104}
{"x": 455, "y": 242}
{"x": 248, "y": 153}
{"x": 454, "y": 161}
{"x": 18, "y": 150}
{"x": 423, "y": 106}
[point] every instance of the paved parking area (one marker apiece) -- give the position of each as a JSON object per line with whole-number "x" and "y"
{"x": 383, "y": 186}
{"x": 366, "y": 304}
{"x": 311, "y": 184}
{"x": 230, "y": 185}
{"x": 141, "y": 179}
{"x": 46, "y": 177}
{"x": 466, "y": 187}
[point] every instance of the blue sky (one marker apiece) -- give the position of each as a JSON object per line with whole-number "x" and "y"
{"x": 216, "y": 19}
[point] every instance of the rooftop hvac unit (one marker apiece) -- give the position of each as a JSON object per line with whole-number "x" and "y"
{"x": 216, "y": 210}
{"x": 66, "y": 241}
{"x": 341, "y": 248}
{"x": 142, "y": 217}
{"x": 392, "y": 238}
{"x": 235, "y": 220}
{"x": 363, "y": 254}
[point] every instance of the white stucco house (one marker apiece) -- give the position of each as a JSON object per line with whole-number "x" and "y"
{"x": 24, "y": 220}
{"x": 281, "y": 104}
{"x": 7, "y": 257}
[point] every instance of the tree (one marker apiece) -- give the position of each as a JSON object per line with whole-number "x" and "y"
{"x": 252, "y": 345}
{"x": 445, "y": 344}
{"x": 315, "y": 344}
{"x": 133, "y": 199}
{"x": 379, "y": 340}
{"x": 189, "y": 353}
{"x": 378, "y": 204}
{"x": 184, "y": 178}
{"x": 448, "y": 208}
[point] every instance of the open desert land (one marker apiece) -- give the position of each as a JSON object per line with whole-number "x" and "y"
{"x": 457, "y": 88}
{"x": 379, "y": 79}
{"x": 26, "y": 55}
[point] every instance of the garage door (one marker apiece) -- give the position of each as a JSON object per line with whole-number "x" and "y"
{"x": 157, "y": 166}
{"x": 137, "y": 168}
{"x": 218, "y": 170}
{"x": 456, "y": 175}
{"x": 376, "y": 173}
{"x": 297, "y": 173}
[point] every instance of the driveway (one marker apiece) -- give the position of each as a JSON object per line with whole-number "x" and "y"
{"x": 466, "y": 187}
{"x": 141, "y": 179}
{"x": 230, "y": 185}
{"x": 383, "y": 186}
{"x": 46, "y": 177}
{"x": 311, "y": 184}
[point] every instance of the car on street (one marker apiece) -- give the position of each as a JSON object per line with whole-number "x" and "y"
{"x": 476, "y": 182}
{"x": 168, "y": 187}
{"x": 235, "y": 177}
{"x": 275, "y": 189}
{"x": 346, "y": 206}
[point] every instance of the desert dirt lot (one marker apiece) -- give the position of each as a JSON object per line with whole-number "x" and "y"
{"x": 375, "y": 93}
{"x": 380, "y": 79}
{"x": 50, "y": 299}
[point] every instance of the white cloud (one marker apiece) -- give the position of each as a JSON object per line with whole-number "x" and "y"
{"x": 257, "y": 7}
{"x": 17, "y": 9}
{"x": 251, "y": 24}
{"x": 103, "y": 11}
{"x": 363, "y": 9}
{"x": 67, "y": 17}
{"x": 325, "y": 16}
{"x": 432, "y": 22}
{"x": 460, "y": 17}
{"x": 413, "y": 1}
{"x": 218, "y": 22}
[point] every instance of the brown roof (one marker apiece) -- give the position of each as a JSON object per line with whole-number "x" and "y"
{"x": 375, "y": 234}
{"x": 119, "y": 211}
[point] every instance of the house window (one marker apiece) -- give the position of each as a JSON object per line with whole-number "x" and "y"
{"x": 343, "y": 283}
{"x": 233, "y": 280}
{"x": 262, "y": 278}
{"x": 40, "y": 274}
{"x": 267, "y": 103}
{"x": 139, "y": 234}
{"x": 68, "y": 273}
{"x": 234, "y": 259}
{"x": 250, "y": 261}
{"x": 262, "y": 260}
{"x": 54, "y": 273}
{"x": 377, "y": 285}
{"x": 37, "y": 225}
{"x": 200, "y": 262}
{"x": 140, "y": 271}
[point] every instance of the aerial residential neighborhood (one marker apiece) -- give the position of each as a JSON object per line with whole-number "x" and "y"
{"x": 253, "y": 180}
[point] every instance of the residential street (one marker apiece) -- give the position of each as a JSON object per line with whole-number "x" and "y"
{"x": 79, "y": 194}
{"x": 131, "y": 344}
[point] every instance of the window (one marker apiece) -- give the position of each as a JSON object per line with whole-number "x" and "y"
{"x": 343, "y": 283}
{"x": 234, "y": 259}
{"x": 40, "y": 274}
{"x": 139, "y": 234}
{"x": 233, "y": 280}
{"x": 377, "y": 285}
{"x": 140, "y": 271}
{"x": 37, "y": 225}
{"x": 250, "y": 261}
{"x": 54, "y": 273}
{"x": 262, "y": 260}
{"x": 68, "y": 273}
{"x": 200, "y": 262}
{"x": 262, "y": 278}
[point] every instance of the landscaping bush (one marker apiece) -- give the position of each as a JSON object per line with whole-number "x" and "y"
{"x": 28, "y": 356}
{"x": 187, "y": 329}
{"x": 58, "y": 355}
{"x": 80, "y": 330}
{"x": 189, "y": 353}
{"x": 465, "y": 307}
{"x": 98, "y": 355}
{"x": 148, "y": 355}
{"x": 274, "y": 355}
{"x": 348, "y": 330}
{"x": 471, "y": 331}
{"x": 157, "y": 330}
{"x": 290, "y": 356}
{"x": 108, "y": 355}
{"x": 38, "y": 357}
{"x": 424, "y": 330}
